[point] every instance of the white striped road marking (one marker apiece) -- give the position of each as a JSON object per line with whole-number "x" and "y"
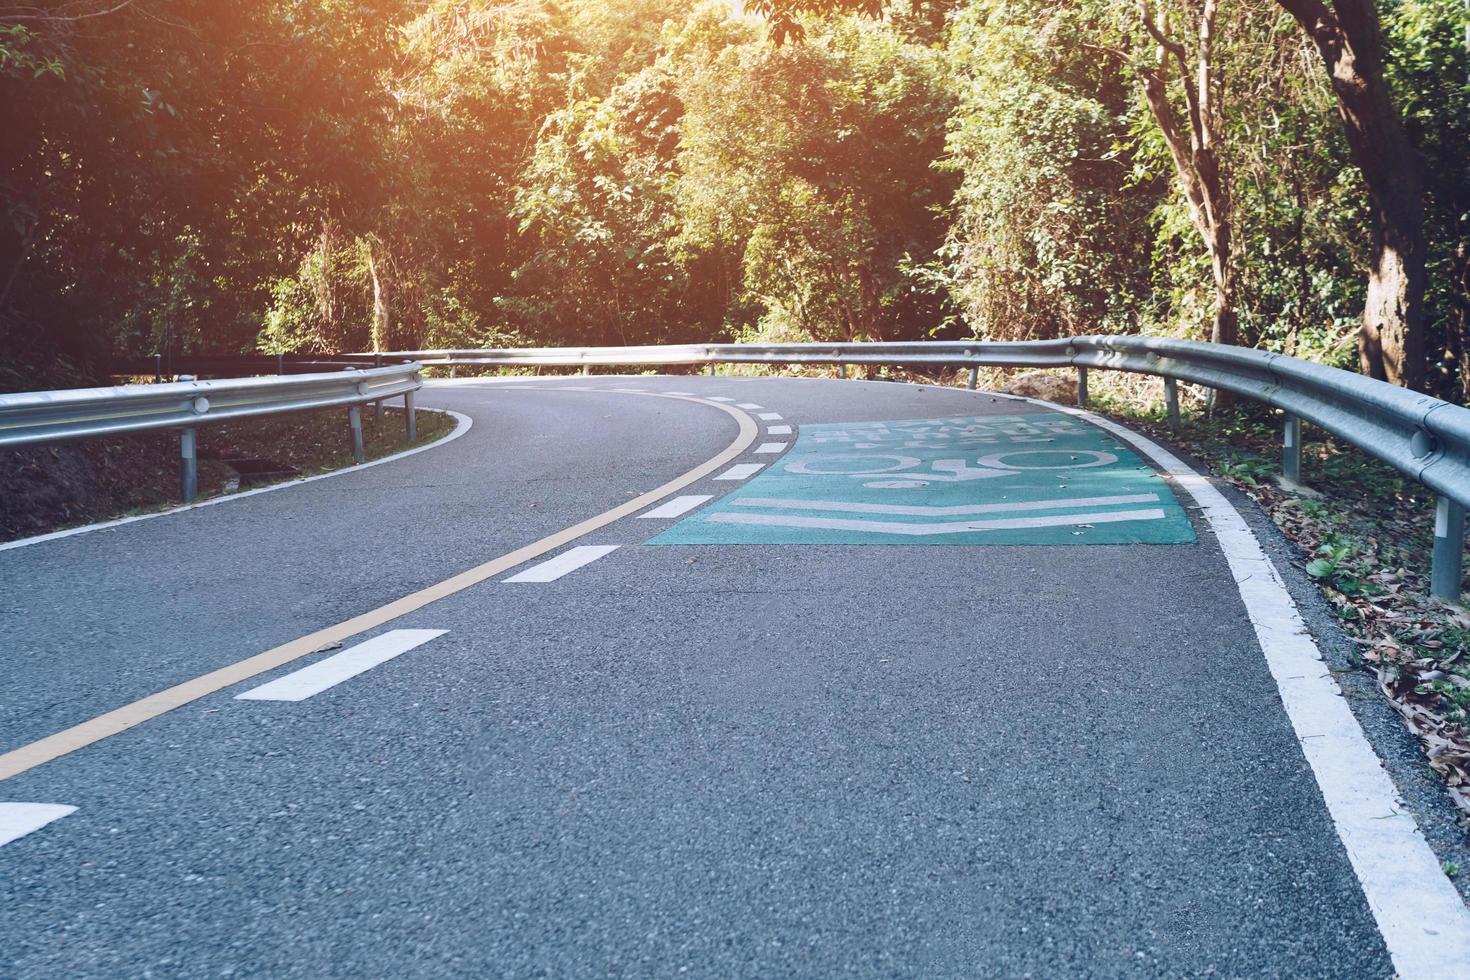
{"x": 769, "y": 416}
{"x": 778, "y": 430}
{"x": 676, "y": 507}
{"x": 681, "y": 394}
{"x": 318, "y": 677}
{"x": 740, "y": 471}
{"x": 948, "y": 527}
{"x": 720, "y": 398}
{"x": 1424, "y": 922}
{"x": 766, "y": 448}
{"x": 568, "y": 561}
{"x": 19, "y": 819}
{"x": 120, "y": 719}
{"x": 956, "y": 511}
{"x": 750, "y": 405}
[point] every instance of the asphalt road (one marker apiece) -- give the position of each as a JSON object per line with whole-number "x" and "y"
{"x": 710, "y": 760}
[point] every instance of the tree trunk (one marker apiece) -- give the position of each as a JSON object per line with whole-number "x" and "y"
{"x": 1350, "y": 39}
{"x": 1222, "y": 266}
{"x": 1193, "y": 146}
{"x": 1194, "y": 142}
{"x": 382, "y": 318}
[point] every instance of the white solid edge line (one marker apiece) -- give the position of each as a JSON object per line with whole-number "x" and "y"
{"x": 676, "y": 507}
{"x": 463, "y": 426}
{"x": 778, "y": 430}
{"x": 766, "y": 448}
{"x": 769, "y": 416}
{"x": 568, "y": 561}
{"x": 19, "y": 819}
{"x": 326, "y": 674}
{"x": 1424, "y": 923}
{"x": 741, "y": 471}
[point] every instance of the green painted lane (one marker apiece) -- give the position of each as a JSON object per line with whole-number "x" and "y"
{"x": 1041, "y": 478}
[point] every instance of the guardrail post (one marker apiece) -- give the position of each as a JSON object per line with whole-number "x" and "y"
{"x": 1449, "y": 549}
{"x": 1291, "y": 444}
{"x": 158, "y": 369}
{"x": 280, "y": 363}
{"x": 1171, "y": 401}
{"x": 710, "y": 370}
{"x": 188, "y": 465}
{"x": 1082, "y": 387}
{"x": 413, "y": 422}
{"x": 842, "y": 371}
{"x": 354, "y": 422}
{"x": 974, "y": 378}
{"x": 378, "y": 405}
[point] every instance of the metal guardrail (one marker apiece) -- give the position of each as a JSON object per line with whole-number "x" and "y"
{"x": 29, "y": 418}
{"x": 160, "y": 366}
{"x": 1424, "y": 438}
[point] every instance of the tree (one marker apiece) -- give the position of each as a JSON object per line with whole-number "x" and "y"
{"x": 1195, "y": 144}
{"x": 1349, "y": 37}
{"x": 1049, "y": 232}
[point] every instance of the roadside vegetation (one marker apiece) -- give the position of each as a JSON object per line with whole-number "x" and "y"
{"x": 189, "y": 176}
{"x": 48, "y": 488}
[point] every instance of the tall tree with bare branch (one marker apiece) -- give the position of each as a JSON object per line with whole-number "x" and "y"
{"x": 1194, "y": 139}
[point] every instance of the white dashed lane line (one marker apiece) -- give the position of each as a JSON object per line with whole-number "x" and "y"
{"x": 720, "y": 398}
{"x": 766, "y": 448}
{"x": 741, "y": 471}
{"x": 778, "y": 430}
{"x": 769, "y": 416}
{"x": 568, "y": 561}
{"x": 676, "y": 507}
{"x": 19, "y": 819}
{"x": 318, "y": 677}
{"x": 751, "y": 406}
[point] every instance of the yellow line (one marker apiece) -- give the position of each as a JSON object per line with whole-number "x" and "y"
{"x": 69, "y": 740}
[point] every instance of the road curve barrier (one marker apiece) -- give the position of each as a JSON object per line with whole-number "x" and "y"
{"x": 1424, "y": 438}
{"x": 30, "y": 418}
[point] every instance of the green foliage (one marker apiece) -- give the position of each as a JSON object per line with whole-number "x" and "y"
{"x": 1332, "y": 564}
{"x": 1050, "y": 233}
{"x": 813, "y": 165}
{"x": 311, "y": 175}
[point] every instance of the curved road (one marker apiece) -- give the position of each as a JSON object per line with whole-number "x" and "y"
{"x": 928, "y": 729}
